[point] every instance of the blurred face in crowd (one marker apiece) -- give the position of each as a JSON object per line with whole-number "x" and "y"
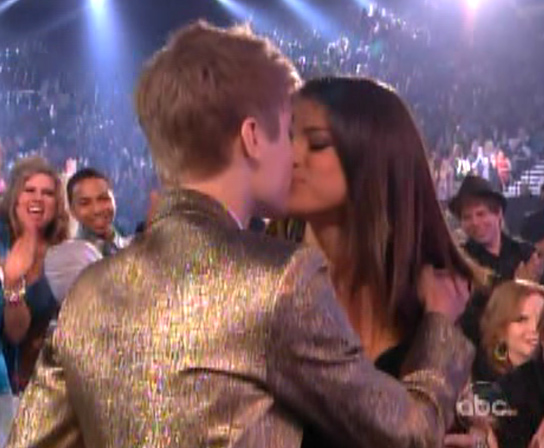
{"x": 93, "y": 206}
{"x": 481, "y": 222}
{"x": 37, "y": 202}
{"x": 522, "y": 335}
{"x": 319, "y": 185}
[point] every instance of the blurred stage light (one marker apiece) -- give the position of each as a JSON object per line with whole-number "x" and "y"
{"x": 364, "y": 3}
{"x": 104, "y": 37}
{"x": 309, "y": 14}
{"x": 367, "y": 5}
{"x": 99, "y": 9}
{"x": 236, "y": 9}
{"x": 4, "y": 6}
{"x": 473, "y": 4}
{"x": 241, "y": 12}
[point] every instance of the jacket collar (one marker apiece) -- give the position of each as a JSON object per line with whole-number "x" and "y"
{"x": 191, "y": 202}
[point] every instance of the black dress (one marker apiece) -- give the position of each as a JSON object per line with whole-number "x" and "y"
{"x": 523, "y": 389}
{"x": 389, "y": 362}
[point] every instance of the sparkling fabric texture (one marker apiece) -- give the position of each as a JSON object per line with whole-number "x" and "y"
{"x": 204, "y": 335}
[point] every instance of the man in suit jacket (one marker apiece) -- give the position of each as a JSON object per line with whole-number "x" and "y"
{"x": 203, "y": 334}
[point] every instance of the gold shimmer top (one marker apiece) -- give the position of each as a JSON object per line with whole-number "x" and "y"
{"x": 201, "y": 334}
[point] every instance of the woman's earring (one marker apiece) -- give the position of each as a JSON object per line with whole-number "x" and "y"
{"x": 501, "y": 352}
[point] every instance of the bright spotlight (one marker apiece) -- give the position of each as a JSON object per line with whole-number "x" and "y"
{"x": 6, "y": 5}
{"x": 236, "y": 9}
{"x": 473, "y": 4}
{"x": 311, "y": 15}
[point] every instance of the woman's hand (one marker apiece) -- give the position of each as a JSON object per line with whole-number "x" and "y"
{"x": 476, "y": 438}
{"x": 443, "y": 293}
{"x": 16, "y": 321}
{"x": 532, "y": 270}
{"x": 20, "y": 259}
{"x": 538, "y": 439}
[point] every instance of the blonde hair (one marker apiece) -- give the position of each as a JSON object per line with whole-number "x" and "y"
{"x": 195, "y": 93}
{"x": 501, "y": 310}
{"x": 57, "y": 230}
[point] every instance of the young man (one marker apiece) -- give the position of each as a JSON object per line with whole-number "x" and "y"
{"x": 93, "y": 206}
{"x": 203, "y": 334}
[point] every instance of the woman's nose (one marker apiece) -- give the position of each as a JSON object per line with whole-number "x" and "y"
{"x": 298, "y": 155}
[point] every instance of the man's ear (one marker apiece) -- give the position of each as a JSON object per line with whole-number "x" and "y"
{"x": 251, "y": 139}
{"x": 501, "y": 218}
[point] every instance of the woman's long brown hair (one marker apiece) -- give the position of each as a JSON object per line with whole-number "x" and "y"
{"x": 394, "y": 224}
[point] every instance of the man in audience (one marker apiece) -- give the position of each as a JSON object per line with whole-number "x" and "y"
{"x": 204, "y": 334}
{"x": 480, "y": 210}
{"x": 93, "y": 206}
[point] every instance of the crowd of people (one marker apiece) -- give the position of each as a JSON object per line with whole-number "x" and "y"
{"x": 468, "y": 104}
{"x": 68, "y": 117}
{"x": 394, "y": 338}
{"x": 466, "y": 99}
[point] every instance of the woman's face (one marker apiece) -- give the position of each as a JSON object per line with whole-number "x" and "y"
{"x": 522, "y": 336}
{"x": 319, "y": 185}
{"x": 37, "y": 203}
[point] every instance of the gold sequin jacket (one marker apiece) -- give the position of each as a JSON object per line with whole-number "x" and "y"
{"x": 203, "y": 335}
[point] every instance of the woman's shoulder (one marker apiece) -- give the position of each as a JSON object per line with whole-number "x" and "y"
{"x": 527, "y": 379}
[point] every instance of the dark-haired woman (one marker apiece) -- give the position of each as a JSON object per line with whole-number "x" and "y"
{"x": 362, "y": 184}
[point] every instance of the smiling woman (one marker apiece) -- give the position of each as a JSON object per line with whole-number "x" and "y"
{"x": 510, "y": 324}
{"x": 34, "y": 218}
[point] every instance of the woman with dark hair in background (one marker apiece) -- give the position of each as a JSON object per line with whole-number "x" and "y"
{"x": 362, "y": 184}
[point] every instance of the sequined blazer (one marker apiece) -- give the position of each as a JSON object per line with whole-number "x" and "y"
{"x": 201, "y": 334}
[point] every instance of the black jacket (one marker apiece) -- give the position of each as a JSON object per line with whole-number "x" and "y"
{"x": 524, "y": 390}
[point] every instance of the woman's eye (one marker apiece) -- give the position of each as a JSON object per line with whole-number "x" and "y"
{"x": 319, "y": 146}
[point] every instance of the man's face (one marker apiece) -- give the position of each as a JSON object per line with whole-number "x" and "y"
{"x": 273, "y": 180}
{"x": 93, "y": 206}
{"x": 480, "y": 222}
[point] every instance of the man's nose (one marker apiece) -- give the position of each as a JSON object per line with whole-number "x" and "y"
{"x": 96, "y": 209}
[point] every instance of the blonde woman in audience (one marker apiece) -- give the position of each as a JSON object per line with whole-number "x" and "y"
{"x": 510, "y": 324}
{"x": 512, "y": 339}
{"x": 34, "y": 219}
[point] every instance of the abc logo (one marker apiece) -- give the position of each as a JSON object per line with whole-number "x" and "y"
{"x": 478, "y": 407}
{"x": 472, "y": 404}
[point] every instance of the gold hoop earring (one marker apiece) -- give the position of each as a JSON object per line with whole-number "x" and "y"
{"x": 501, "y": 352}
